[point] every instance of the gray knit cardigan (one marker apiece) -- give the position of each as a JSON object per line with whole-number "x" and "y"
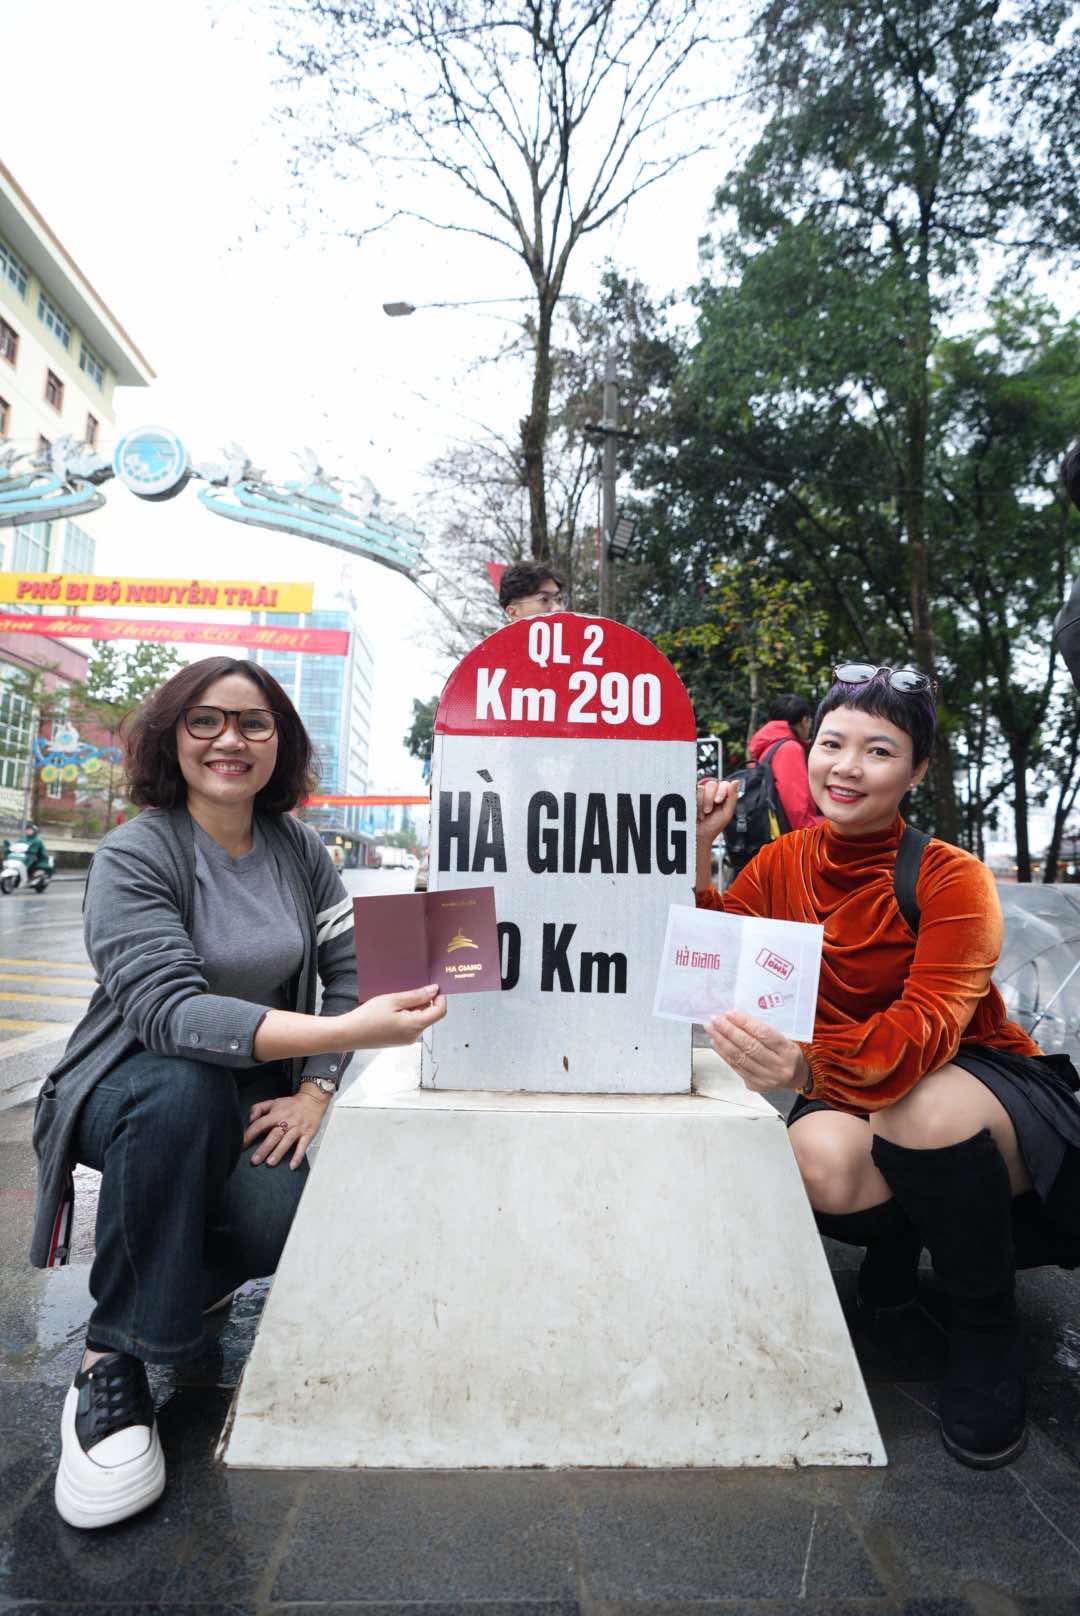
{"x": 151, "y": 993}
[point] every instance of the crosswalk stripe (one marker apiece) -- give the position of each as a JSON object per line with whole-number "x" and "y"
{"x": 53, "y": 1033}
{"x": 41, "y": 999}
{"x": 58, "y": 981}
{"x": 53, "y": 964}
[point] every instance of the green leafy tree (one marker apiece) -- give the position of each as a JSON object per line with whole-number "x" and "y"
{"x": 754, "y": 464}
{"x": 761, "y": 636}
{"x": 418, "y": 738}
{"x": 1005, "y": 399}
{"x": 117, "y": 681}
{"x": 902, "y": 146}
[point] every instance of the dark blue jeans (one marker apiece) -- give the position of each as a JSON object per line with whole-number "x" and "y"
{"x": 183, "y": 1216}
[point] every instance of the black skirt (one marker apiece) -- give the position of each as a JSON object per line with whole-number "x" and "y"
{"x": 1039, "y": 1093}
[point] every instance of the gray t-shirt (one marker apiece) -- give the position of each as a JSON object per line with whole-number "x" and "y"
{"x": 244, "y": 926}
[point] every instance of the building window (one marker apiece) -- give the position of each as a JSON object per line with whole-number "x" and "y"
{"x": 78, "y": 549}
{"x": 11, "y": 270}
{"x": 92, "y": 365}
{"x": 16, "y": 723}
{"x": 9, "y": 342}
{"x": 91, "y": 430}
{"x": 54, "y": 321}
{"x": 31, "y": 550}
{"x": 54, "y": 390}
{"x": 5, "y": 416}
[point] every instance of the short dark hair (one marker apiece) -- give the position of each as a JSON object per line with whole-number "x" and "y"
{"x": 153, "y": 768}
{"x": 915, "y": 713}
{"x": 1070, "y": 473}
{"x": 792, "y": 709}
{"x": 525, "y": 578}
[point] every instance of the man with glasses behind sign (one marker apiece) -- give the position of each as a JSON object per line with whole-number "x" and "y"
{"x": 530, "y": 589}
{"x": 926, "y": 1117}
{"x": 200, "y": 1073}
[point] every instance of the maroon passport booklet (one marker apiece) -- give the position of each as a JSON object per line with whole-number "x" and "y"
{"x": 408, "y": 939}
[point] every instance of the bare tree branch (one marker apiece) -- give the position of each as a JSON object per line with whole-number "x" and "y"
{"x": 546, "y": 118}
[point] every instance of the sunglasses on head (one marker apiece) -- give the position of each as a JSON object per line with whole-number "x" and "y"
{"x": 907, "y": 681}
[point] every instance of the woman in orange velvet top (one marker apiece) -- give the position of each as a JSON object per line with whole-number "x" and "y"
{"x": 926, "y": 1117}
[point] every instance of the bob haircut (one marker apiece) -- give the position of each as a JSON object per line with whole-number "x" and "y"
{"x": 153, "y": 768}
{"x": 914, "y": 712}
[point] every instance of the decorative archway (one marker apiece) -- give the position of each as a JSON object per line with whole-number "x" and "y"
{"x": 66, "y": 480}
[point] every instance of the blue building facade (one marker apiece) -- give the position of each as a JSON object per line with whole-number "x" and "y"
{"x": 333, "y": 696}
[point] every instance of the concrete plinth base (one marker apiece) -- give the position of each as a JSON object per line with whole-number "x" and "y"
{"x": 479, "y": 1279}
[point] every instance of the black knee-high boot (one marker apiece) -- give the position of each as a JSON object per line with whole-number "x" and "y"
{"x": 959, "y": 1199}
{"x": 888, "y": 1277}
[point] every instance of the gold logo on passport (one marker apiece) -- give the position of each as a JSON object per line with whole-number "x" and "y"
{"x": 459, "y": 940}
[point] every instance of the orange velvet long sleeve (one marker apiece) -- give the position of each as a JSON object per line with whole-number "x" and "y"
{"x": 890, "y": 1007}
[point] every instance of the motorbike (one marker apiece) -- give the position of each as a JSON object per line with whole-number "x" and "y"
{"x": 15, "y": 872}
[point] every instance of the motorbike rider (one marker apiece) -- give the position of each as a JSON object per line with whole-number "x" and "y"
{"x": 37, "y": 854}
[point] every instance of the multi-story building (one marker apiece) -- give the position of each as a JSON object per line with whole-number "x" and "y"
{"x": 62, "y": 355}
{"x": 333, "y": 696}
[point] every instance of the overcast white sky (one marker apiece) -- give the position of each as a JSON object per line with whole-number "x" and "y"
{"x": 145, "y": 137}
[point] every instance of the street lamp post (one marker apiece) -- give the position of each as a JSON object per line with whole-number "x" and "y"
{"x": 609, "y": 426}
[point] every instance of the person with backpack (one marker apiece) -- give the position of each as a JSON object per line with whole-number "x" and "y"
{"x": 772, "y": 790}
{"x": 785, "y": 736}
{"x": 926, "y": 1117}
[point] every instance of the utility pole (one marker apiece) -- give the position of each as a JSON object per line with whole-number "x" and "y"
{"x": 609, "y": 428}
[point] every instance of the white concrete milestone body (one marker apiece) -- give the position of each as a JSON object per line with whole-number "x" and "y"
{"x": 563, "y": 776}
{"x": 608, "y": 1266}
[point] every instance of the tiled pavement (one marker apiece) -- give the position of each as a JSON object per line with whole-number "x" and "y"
{"x": 923, "y": 1537}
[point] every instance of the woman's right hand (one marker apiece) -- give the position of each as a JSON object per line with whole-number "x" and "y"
{"x": 393, "y": 1018}
{"x": 715, "y": 809}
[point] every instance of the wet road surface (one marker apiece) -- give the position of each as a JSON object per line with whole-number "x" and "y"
{"x": 923, "y": 1537}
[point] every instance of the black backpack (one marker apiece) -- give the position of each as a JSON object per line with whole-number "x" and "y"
{"x": 759, "y": 817}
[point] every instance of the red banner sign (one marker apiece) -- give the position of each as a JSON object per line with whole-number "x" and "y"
{"x": 321, "y": 641}
{"x": 325, "y": 800}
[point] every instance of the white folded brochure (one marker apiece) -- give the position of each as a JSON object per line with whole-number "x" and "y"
{"x": 713, "y": 962}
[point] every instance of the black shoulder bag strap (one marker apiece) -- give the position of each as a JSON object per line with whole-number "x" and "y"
{"x": 766, "y": 762}
{"x": 906, "y": 873}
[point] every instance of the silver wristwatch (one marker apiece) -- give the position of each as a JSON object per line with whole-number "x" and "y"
{"x": 325, "y": 1084}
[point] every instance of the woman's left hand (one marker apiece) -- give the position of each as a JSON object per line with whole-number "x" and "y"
{"x": 288, "y": 1123}
{"x": 763, "y": 1057}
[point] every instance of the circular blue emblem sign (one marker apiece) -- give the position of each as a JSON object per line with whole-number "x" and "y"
{"x": 152, "y": 462}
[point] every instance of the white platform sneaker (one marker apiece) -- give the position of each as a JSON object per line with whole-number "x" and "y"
{"x": 111, "y": 1463}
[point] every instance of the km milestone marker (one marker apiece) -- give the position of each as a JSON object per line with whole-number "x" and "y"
{"x": 563, "y": 776}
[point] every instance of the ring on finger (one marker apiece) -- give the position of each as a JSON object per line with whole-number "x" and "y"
{"x": 284, "y": 1126}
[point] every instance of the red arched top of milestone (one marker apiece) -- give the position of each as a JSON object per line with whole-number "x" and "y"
{"x": 567, "y": 675}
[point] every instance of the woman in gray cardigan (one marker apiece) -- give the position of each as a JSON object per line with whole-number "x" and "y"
{"x": 200, "y": 1073}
